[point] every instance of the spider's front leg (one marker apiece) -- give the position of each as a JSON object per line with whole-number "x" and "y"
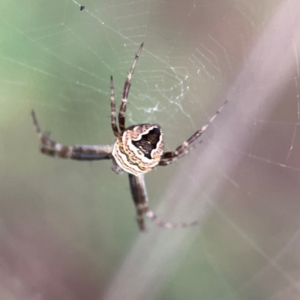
{"x": 80, "y": 152}
{"x": 126, "y": 89}
{"x": 168, "y": 157}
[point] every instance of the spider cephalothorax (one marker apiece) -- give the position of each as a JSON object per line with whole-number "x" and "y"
{"x": 137, "y": 150}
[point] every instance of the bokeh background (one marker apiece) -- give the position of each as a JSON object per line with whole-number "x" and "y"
{"x": 67, "y": 228}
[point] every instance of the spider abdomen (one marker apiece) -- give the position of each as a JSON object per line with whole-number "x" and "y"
{"x": 139, "y": 149}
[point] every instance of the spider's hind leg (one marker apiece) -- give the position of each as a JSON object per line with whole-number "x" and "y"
{"x": 168, "y": 225}
{"x": 143, "y": 209}
{"x": 140, "y": 199}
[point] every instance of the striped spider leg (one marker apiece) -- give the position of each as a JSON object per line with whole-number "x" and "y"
{"x": 137, "y": 150}
{"x": 169, "y": 157}
{"x": 78, "y": 152}
{"x": 140, "y": 198}
{"x": 122, "y": 110}
{"x": 138, "y": 187}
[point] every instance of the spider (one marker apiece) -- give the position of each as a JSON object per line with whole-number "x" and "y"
{"x": 137, "y": 150}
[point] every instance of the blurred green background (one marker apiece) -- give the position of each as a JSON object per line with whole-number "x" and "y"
{"x": 67, "y": 228}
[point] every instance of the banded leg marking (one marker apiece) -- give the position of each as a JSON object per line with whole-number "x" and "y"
{"x": 82, "y": 152}
{"x": 126, "y": 89}
{"x": 168, "y": 157}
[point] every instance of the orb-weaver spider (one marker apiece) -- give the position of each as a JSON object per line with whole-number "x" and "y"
{"x": 136, "y": 151}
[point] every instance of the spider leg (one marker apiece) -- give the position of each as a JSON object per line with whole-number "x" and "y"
{"x": 113, "y": 109}
{"x": 126, "y": 89}
{"x": 80, "y": 152}
{"x": 140, "y": 198}
{"x": 169, "y": 157}
{"x": 168, "y": 161}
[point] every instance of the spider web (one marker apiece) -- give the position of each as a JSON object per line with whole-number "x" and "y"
{"x": 67, "y": 229}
